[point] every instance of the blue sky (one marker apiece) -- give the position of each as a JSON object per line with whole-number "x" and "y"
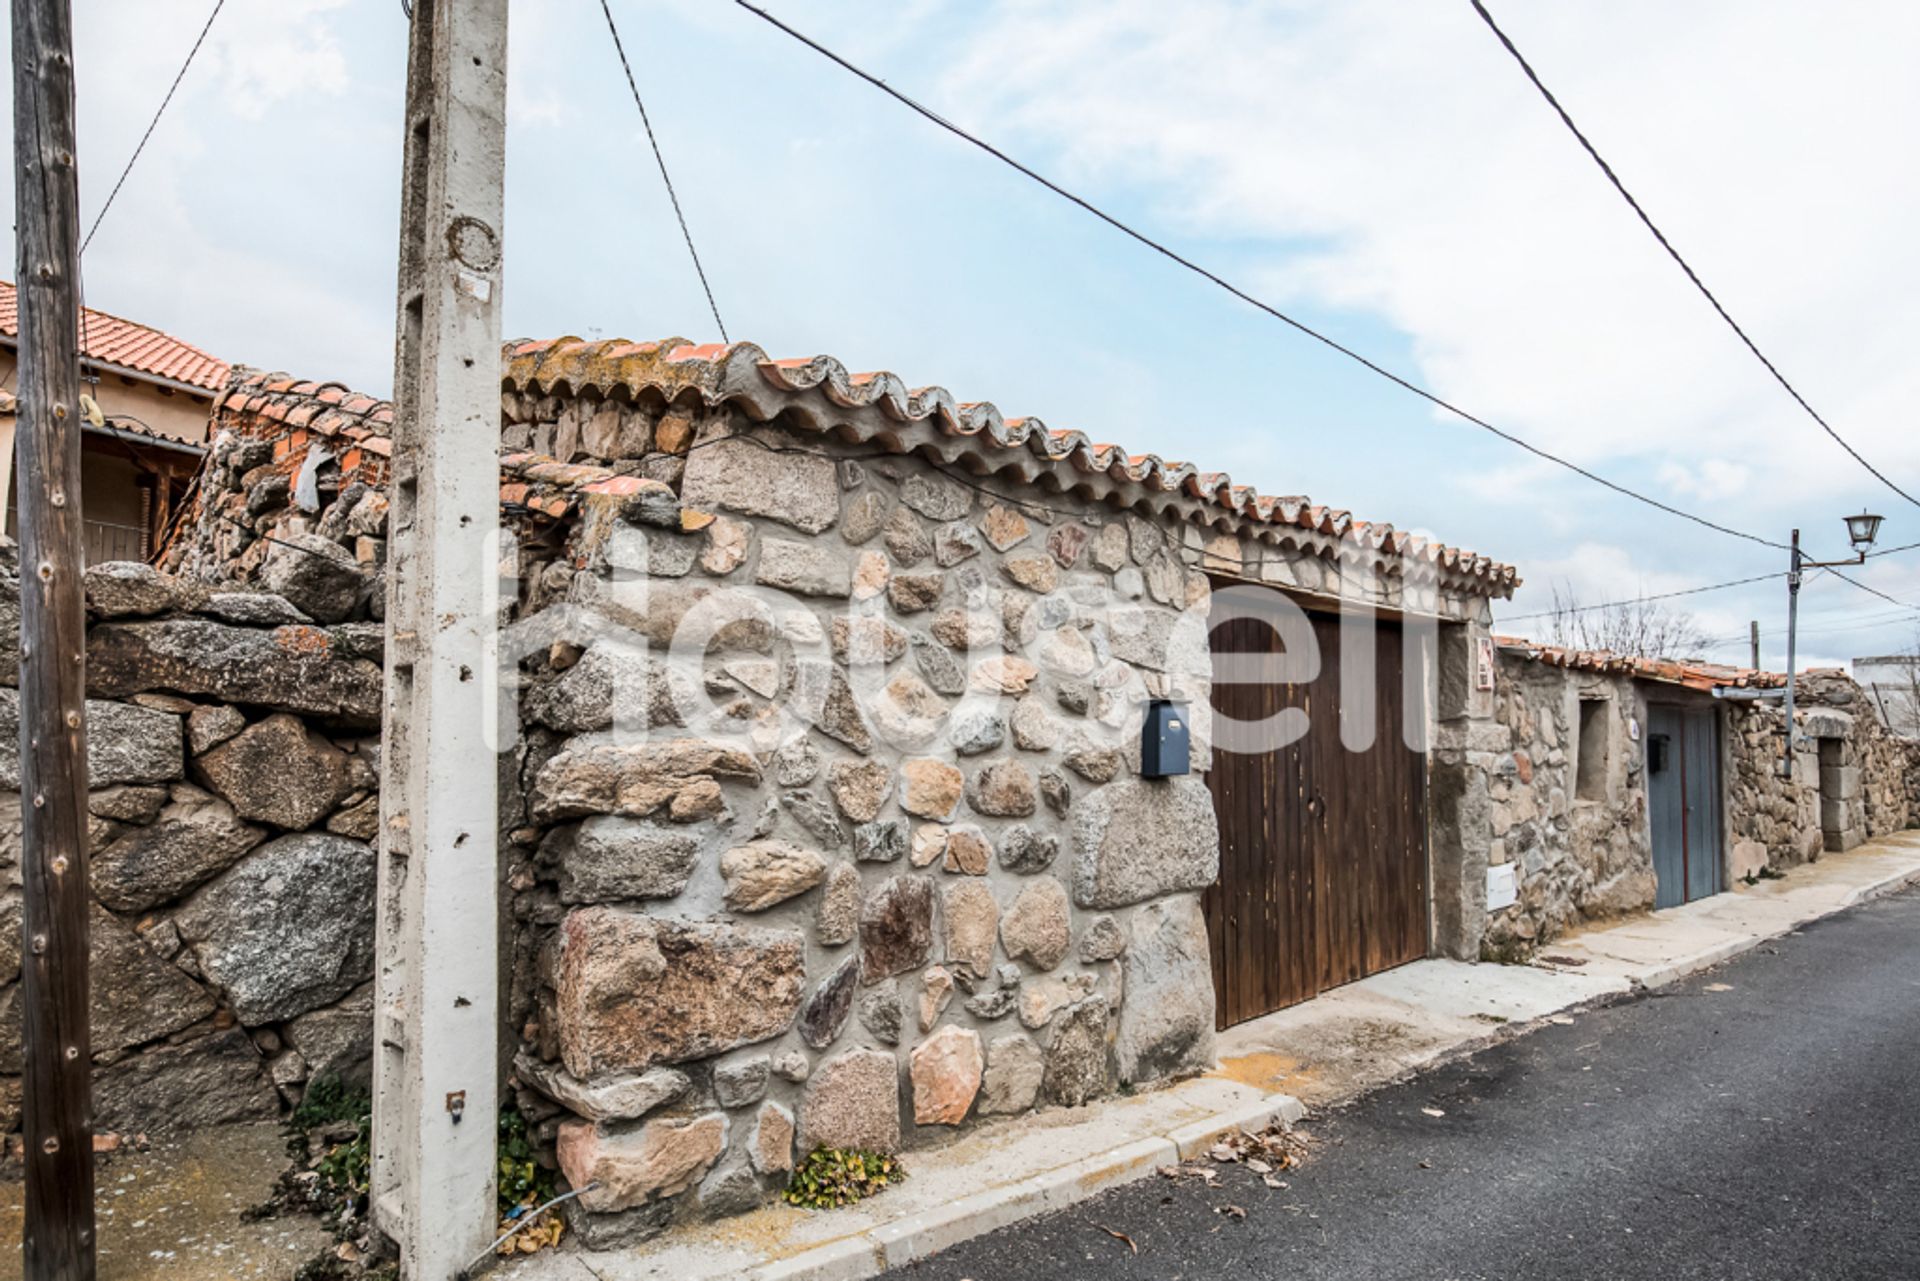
{"x": 1378, "y": 167}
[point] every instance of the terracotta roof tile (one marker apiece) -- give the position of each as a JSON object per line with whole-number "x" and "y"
{"x": 124, "y": 344}
{"x": 821, "y": 394}
{"x": 1692, "y": 673}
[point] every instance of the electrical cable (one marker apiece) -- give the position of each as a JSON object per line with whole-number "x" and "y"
{"x": 1674, "y": 254}
{"x": 1694, "y": 591}
{"x": 665, "y": 177}
{"x": 530, "y": 1217}
{"x": 1871, "y": 591}
{"x": 1194, "y": 267}
{"x": 142, "y": 146}
{"x": 1642, "y": 600}
{"x": 1864, "y": 622}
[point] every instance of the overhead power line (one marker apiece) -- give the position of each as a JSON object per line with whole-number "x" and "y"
{"x": 1872, "y": 621}
{"x": 1674, "y": 254}
{"x": 1871, "y": 591}
{"x": 1709, "y": 587}
{"x": 142, "y": 145}
{"x": 665, "y": 177}
{"x": 1888, "y": 551}
{"x": 1243, "y": 295}
{"x": 1642, "y": 600}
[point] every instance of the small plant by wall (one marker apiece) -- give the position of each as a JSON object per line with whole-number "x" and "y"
{"x": 833, "y": 1177}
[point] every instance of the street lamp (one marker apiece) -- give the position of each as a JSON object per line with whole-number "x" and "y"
{"x": 1862, "y": 530}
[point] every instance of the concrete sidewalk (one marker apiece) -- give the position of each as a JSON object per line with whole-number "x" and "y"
{"x": 1320, "y": 1053}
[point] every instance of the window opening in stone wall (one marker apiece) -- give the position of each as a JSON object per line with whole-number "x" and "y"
{"x": 1590, "y": 761}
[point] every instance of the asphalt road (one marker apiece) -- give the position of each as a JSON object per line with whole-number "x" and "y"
{"x": 1770, "y": 1129}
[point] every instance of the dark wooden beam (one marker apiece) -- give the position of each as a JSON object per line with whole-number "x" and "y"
{"x": 58, "y": 1240}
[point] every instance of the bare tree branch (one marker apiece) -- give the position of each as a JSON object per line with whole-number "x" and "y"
{"x": 1641, "y": 628}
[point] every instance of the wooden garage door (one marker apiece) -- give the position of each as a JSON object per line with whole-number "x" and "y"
{"x": 1323, "y": 864}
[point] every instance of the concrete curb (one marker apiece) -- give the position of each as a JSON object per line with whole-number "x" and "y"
{"x": 891, "y": 1245}
{"x": 918, "y": 1236}
{"x": 1892, "y": 885}
{"x": 1675, "y": 970}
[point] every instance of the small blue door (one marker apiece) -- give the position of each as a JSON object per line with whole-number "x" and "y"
{"x": 1683, "y": 803}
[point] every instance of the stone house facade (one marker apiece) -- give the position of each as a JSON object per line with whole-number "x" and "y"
{"x": 823, "y": 815}
{"x": 1570, "y": 806}
{"x": 1852, "y": 778}
{"x": 1577, "y": 838}
{"x": 154, "y": 393}
{"x": 823, "y": 812}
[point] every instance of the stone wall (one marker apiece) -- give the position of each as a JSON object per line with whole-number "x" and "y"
{"x": 1585, "y": 855}
{"x": 1852, "y": 779}
{"x": 1577, "y": 858}
{"x": 825, "y": 826}
{"x": 291, "y": 498}
{"x": 823, "y": 823}
{"x": 1910, "y": 747}
{"x": 865, "y": 855}
{"x": 232, "y": 749}
{"x": 1773, "y": 821}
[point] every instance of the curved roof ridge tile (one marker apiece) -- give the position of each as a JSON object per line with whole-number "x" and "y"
{"x": 745, "y": 372}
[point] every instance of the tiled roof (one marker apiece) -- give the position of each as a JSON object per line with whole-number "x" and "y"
{"x": 109, "y": 340}
{"x": 1690, "y": 673}
{"x": 819, "y": 393}
{"x": 125, "y": 428}
{"x": 356, "y": 421}
{"x": 326, "y": 409}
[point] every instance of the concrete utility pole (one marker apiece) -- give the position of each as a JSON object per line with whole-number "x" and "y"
{"x": 58, "y": 1241}
{"x": 1753, "y": 636}
{"x": 436, "y": 1066}
{"x": 1793, "y": 633}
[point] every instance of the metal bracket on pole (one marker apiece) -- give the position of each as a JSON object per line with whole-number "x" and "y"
{"x": 436, "y": 1057}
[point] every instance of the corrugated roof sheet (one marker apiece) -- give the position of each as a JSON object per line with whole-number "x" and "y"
{"x": 125, "y": 344}
{"x": 821, "y": 394}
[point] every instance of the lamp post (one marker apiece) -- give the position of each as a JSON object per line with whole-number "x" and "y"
{"x": 1862, "y": 530}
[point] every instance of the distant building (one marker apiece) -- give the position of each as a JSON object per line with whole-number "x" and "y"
{"x": 1893, "y": 683}
{"x": 156, "y": 394}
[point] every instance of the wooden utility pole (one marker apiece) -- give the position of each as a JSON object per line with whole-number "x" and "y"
{"x": 436, "y": 1087}
{"x": 58, "y": 1242}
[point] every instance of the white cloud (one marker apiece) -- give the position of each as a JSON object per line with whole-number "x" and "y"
{"x": 1378, "y": 165}
{"x": 1432, "y": 186}
{"x": 266, "y": 54}
{"x": 1709, "y": 480}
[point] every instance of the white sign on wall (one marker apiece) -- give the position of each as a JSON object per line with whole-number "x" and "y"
{"x": 1503, "y": 886}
